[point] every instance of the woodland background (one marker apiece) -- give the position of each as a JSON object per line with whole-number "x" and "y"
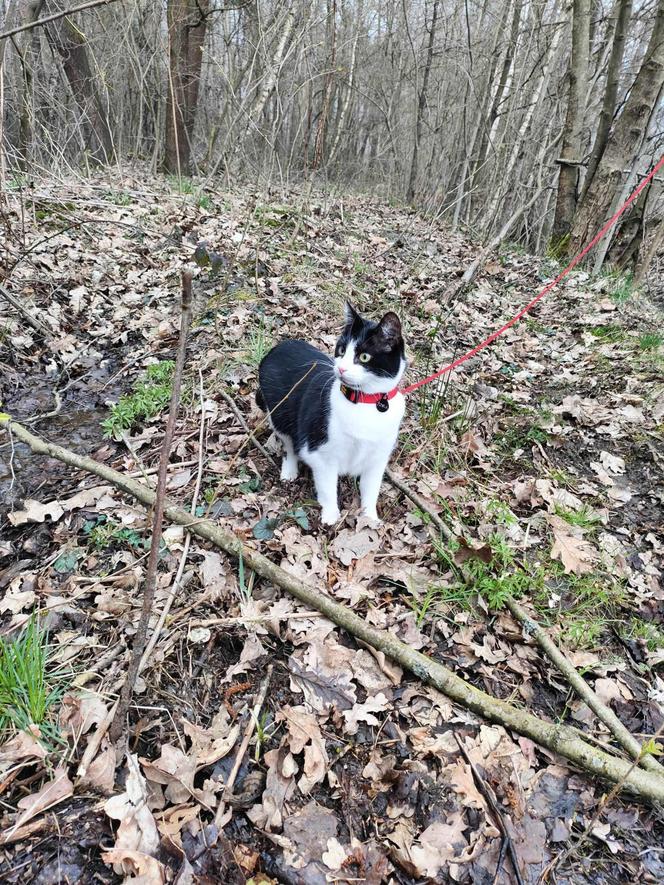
{"x": 539, "y": 115}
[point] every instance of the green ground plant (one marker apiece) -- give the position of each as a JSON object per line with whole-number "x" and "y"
{"x": 31, "y": 687}
{"x": 148, "y": 398}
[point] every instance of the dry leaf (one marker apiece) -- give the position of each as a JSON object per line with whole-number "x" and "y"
{"x": 349, "y": 545}
{"x": 576, "y": 554}
{"x": 36, "y": 512}
{"x": 100, "y": 774}
{"x": 304, "y": 734}
{"x": 364, "y": 713}
{"x": 208, "y": 745}
{"x": 53, "y": 792}
{"x": 141, "y": 869}
{"x": 138, "y": 829}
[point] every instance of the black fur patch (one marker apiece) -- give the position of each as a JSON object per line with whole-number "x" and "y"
{"x": 382, "y": 341}
{"x": 303, "y": 414}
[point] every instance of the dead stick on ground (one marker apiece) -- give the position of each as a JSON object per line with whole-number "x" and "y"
{"x": 227, "y": 795}
{"x": 561, "y": 739}
{"x": 624, "y": 737}
{"x": 178, "y": 581}
{"x": 531, "y": 628}
{"x": 25, "y": 313}
{"x": 243, "y": 424}
{"x": 158, "y": 517}
{"x": 496, "y": 813}
{"x": 590, "y": 826}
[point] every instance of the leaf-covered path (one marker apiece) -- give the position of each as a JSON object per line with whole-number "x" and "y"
{"x": 543, "y": 455}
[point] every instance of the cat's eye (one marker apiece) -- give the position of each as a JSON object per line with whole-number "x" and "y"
{"x": 341, "y": 350}
{"x": 364, "y": 357}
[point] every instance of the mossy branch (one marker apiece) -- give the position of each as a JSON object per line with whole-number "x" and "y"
{"x": 562, "y": 739}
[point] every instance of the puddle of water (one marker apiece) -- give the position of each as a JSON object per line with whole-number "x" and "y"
{"x": 77, "y": 427}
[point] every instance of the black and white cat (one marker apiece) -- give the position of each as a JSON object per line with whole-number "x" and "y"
{"x": 340, "y": 416}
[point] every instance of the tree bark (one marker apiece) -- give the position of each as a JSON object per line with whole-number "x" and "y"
{"x": 622, "y": 13}
{"x": 421, "y": 104}
{"x": 572, "y": 132}
{"x": 319, "y": 144}
{"x": 187, "y": 24}
{"x": 270, "y": 77}
{"x": 71, "y": 44}
{"x": 624, "y": 142}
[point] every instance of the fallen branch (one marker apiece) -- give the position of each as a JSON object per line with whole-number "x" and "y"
{"x": 605, "y": 714}
{"x": 25, "y": 313}
{"x": 562, "y": 739}
{"x": 140, "y": 639}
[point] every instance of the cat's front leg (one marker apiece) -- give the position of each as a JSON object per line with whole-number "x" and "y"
{"x": 326, "y": 480}
{"x": 370, "y": 481}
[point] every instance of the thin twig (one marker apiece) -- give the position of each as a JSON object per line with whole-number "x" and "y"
{"x": 240, "y": 417}
{"x": 178, "y": 582}
{"x": 496, "y": 812}
{"x": 25, "y": 313}
{"x": 226, "y": 796}
{"x": 158, "y": 517}
{"x": 54, "y": 17}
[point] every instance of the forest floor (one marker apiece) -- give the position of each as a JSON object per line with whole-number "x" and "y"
{"x": 544, "y": 455}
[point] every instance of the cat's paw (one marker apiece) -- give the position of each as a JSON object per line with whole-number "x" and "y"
{"x": 288, "y": 470}
{"x": 329, "y": 515}
{"x": 371, "y": 517}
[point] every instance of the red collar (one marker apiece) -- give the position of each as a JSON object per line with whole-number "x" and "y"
{"x": 380, "y": 400}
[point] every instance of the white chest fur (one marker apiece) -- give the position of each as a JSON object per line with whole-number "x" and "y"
{"x": 359, "y": 435}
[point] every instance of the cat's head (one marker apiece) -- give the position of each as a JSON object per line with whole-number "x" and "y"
{"x": 370, "y": 356}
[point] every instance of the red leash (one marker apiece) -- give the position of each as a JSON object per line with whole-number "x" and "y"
{"x": 549, "y": 286}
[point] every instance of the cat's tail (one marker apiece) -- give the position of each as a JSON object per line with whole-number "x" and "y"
{"x": 260, "y": 402}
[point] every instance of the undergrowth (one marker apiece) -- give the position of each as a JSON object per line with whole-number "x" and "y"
{"x": 148, "y": 398}
{"x": 30, "y": 687}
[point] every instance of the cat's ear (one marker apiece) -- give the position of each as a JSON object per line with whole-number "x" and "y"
{"x": 389, "y": 330}
{"x": 351, "y": 315}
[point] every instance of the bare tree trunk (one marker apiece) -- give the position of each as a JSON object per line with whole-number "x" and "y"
{"x": 346, "y": 103}
{"x": 421, "y": 104}
{"x": 71, "y": 44}
{"x": 506, "y": 172}
{"x": 625, "y": 141}
{"x": 319, "y": 144}
{"x": 572, "y": 132}
{"x": 652, "y": 247}
{"x": 187, "y": 24}
{"x": 626, "y": 245}
{"x": 272, "y": 73}
{"x": 622, "y": 13}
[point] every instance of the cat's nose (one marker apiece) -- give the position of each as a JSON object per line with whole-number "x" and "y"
{"x": 341, "y": 371}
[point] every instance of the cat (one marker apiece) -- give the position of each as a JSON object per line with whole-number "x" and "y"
{"x": 339, "y": 416}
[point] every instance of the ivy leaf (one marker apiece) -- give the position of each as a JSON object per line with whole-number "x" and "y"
{"x": 264, "y": 528}
{"x": 201, "y": 255}
{"x": 66, "y": 562}
{"x": 300, "y": 517}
